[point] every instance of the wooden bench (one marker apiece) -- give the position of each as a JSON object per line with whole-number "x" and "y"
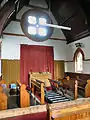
{"x": 24, "y": 95}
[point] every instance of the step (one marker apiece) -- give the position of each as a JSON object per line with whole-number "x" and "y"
{"x": 60, "y": 100}
{"x": 52, "y": 93}
{"x": 56, "y": 98}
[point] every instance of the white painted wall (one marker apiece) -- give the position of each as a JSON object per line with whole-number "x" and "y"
{"x": 15, "y": 27}
{"x": 71, "y": 48}
{"x": 11, "y": 47}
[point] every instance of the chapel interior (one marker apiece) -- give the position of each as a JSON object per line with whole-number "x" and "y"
{"x": 44, "y": 60}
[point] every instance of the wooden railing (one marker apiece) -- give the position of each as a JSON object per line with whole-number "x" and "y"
{"x": 40, "y": 86}
{"x": 24, "y": 95}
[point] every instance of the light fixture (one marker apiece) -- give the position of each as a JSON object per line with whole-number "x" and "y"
{"x": 79, "y": 45}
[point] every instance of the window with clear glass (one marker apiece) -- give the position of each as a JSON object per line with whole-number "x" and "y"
{"x": 79, "y": 62}
{"x": 35, "y": 27}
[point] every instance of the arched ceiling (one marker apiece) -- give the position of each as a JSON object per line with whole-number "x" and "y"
{"x": 72, "y": 13}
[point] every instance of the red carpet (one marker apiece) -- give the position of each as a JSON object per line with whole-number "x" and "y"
{"x": 37, "y": 116}
{"x": 38, "y": 97}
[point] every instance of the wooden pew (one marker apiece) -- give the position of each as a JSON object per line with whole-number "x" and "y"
{"x": 81, "y": 86}
{"x": 84, "y": 86}
{"x": 24, "y": 95}
{"x": 72, "y": 85}
{"x": 73, "y": 110}
{"x": 40, "y": 86}
{"x": 42, "y": 76}
{"x": 3, "y": 100}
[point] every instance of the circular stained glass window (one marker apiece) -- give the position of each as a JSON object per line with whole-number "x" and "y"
{"x": 33, "y": 25}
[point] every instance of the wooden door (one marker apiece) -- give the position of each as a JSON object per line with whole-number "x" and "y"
{"x": 58, "y": 69}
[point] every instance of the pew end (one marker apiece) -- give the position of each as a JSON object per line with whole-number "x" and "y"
{"x": 3, "y": 100}
{"x": 24, "y": 95}
{"x": 87, "y": 89}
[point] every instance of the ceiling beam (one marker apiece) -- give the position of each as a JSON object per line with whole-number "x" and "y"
{"x": 36, "y": 7}
{"x": 5, "y": 14}
{"x": 70, "y": 17}
{"x": 23, "y": 35}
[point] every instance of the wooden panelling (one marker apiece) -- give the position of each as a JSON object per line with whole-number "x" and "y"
{"x": 10, "y": 70}
{"x": 58, "y": 69}
{"x": 81, "y": 76}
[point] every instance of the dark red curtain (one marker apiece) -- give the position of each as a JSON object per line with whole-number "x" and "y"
{"x": 34, "y": 58}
